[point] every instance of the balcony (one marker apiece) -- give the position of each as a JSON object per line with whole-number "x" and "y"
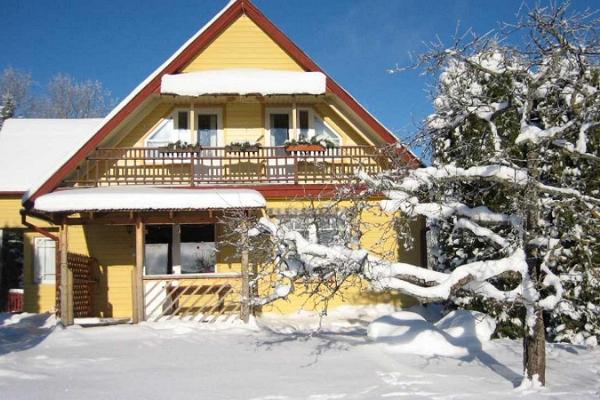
{"x": 223, "y": 166}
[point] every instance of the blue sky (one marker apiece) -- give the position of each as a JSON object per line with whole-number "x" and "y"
{"x": 120, "y": 42}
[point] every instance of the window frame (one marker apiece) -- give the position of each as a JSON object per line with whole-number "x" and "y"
{"x": 312, "y": 114}
{"x": 209, "y": 111}
{"x": 276, "y": 110}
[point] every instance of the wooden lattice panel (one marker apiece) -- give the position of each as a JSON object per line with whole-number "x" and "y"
{"x": 83, "y": 268}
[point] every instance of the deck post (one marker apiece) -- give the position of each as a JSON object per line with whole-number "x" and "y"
{"x": 138, "y": 283}
{"x": 66, "y": 278}
{"x": 245, "y": 303}
{"x": 295, "y": 135}
{"x": 245, "y": 290}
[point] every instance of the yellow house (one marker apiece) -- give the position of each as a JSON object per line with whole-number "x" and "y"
{"x": 239, "y": 118}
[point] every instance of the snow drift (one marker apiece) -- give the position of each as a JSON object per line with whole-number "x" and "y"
{"x": 452, "y": 336}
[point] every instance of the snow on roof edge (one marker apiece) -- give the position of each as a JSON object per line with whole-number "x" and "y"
{"x": 146, "y": 198}
{"x": 135, "y": 91}
{"x": 244, "y": 81}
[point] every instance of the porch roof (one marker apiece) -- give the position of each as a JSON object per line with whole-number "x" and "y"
{"x": 244, "y": 82}
{"x": 147, "y": 198}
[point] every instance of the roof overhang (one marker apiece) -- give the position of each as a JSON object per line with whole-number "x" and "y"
{"x": 147, "y": 198}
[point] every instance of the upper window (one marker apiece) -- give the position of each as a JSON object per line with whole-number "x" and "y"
{"x": 177, "y": 128}
{"x": 183, "y": 118}
{"x": 309, "y": 125}
{"x": 44, "y": 262}
{"x": 279, "y": 128}
{"x": 207, "y": 130}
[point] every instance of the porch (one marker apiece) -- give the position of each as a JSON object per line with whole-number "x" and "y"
{"x": 182, "y": 268}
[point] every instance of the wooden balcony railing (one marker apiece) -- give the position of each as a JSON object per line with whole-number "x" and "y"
{"x": 218, "y": 166}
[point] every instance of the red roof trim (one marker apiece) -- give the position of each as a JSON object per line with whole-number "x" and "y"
{"x": 202, "y": 41}
{"x": 12, "y": 194}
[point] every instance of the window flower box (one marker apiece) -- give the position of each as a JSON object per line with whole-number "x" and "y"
{"x": 245, "y": 147}
{"x": 308, "y": 148}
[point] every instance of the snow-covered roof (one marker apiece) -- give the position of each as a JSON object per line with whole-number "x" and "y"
{"x": 146, "y": 198}
{"x": 31, "y": 149}
{"x": 244, "y": 81}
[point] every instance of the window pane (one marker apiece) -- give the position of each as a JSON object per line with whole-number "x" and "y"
{"x": 207, "y": 130}
{"x": 303, "y": 124}
{"x": 197, "y": 258}
{"x": 158, "y": 249}
{"x": 280, "y": 124}
{"x": 182, "y": 120}
{"x": 322, "y": 131}
{"x": 198, "y": 249}
{"x": 157, "y": 258}
{"x": 163, "y": 134}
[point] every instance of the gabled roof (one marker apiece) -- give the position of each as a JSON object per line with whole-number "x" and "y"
{"x": 205, "y": 36}
{"x": 29, "y": 148}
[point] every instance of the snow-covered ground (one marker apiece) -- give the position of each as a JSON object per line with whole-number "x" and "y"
{"x": 273, "y": 358}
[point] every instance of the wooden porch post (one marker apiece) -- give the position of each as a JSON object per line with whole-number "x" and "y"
{"x": 245, "y": 303}
{"x": 245, "y": 292}
{"x": 66, "y": 278}
{"x": 295, "y": 135}
{"x": 138, "y": 283}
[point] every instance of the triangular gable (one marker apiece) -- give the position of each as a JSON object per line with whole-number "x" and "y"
{"x": 243, "y": 45}
{"x": 200, "y": 41}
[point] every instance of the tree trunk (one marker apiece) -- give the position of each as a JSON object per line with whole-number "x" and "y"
{"x": 534, "y": 340}
{"x": 534, "y": 351}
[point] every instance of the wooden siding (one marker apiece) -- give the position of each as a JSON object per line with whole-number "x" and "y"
{"x": 244, "y": 122}
{"x": 10, "y": 214}
{"x": 243, "y": 45}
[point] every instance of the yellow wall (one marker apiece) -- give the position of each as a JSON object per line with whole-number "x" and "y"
{"x": 243, "y": 45}
{"x": 10, "y": 214}
{"x": 113, "y": 247}
{"x": 380, "y": 239}
{"x": 244, "y": 122}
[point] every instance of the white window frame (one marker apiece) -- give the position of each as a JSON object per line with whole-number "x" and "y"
{"x": 288, "y": 110}
{"x": 41, "y": 275}
{"x": 210, "y": 111}
{"x": 276, "y": 110}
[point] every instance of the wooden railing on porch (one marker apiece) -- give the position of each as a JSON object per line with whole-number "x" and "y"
{"x": 203, "y": 299}
{"x": 220, "y": 166}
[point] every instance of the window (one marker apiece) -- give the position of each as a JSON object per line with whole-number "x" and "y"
{"x": 44, "y": 262}
{"x": 279, "y": 128}
{"x": 171, "y": 130}
{"x": 328, "y": 229}
{"x": 183, "y": 120}
{"x": 323, "y": 131}
{"x": 303, "y": 124}
{"x": 162, "y": 136}
{"x": 180, "y": 249}
{"x": 309, "y": 125}
{"x": 207, "y": 130}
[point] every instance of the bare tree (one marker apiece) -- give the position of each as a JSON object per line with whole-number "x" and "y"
{"x": 15, "y": 93}
{"x": 68, "y": 98}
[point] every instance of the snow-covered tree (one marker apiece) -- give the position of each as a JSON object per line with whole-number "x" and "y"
{"x": 15, "y": 96}
{"x": 514, "y": 141}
